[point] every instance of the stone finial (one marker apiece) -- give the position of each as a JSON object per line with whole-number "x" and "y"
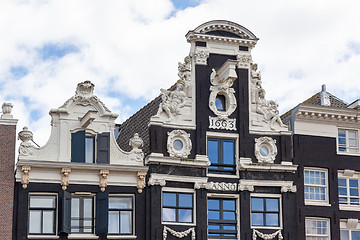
{"x": 65, "y": 172}
{"x": 141, "y": 181}
{"x": 324, "y": 96}
{"x": 25, "y": 178}
{"x": 6, "y": 110}
{"x": 85, "y": 89}
{"x": 103, "y": 179}
{"x": 136, "y": 141}
{"x": 25, "y": 135}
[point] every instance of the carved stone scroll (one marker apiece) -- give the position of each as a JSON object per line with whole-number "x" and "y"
{"x": 141, "y": 181}
{"x": 156, "y": 181}
{"x": 65, "y": 172}
{"x": 25, "y": 177}
{"x": 201, "y": 57}
{"x": 103, "y": 179}
{"x": 256, "y": 234}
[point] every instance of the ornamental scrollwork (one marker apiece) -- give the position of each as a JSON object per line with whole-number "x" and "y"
{"x": 103, "y": 173}
{"x": 179, "y": 144}
{"x": 265, "y": 149}
{"x": 264, "y": 236}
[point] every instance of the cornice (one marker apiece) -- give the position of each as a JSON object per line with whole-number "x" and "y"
{"x": 8, "y": 121}
{"x": 82, "y": 166}
{"x": 192, "y": 36}
{"x": 199, "y": 161}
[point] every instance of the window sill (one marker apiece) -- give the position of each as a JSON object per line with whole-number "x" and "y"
{"x": 324, "y": 204}
{"x": 178, "y": 223}
{"x": 223, "y": 175}
{"x": 82, "y": 236}
{"x": 349, "y": 208}
{"x": 348, "y": 153}
{"x": 265, "y": 227}
{"x": 42, "y": 237}
{"x": 121, "y": 237}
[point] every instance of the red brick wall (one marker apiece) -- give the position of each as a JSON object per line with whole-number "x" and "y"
{"x": 7, "y": 161}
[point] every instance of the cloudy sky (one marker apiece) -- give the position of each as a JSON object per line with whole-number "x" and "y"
{"x": 130, "y": 49}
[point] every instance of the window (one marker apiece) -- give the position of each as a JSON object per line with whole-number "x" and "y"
{"x": 42, "y": 214}
{"x": 317, "y": 229}
{"x": 348, "y": 186}
{"x": 82, "y": 214}
{"x": 348, "y": 141}
{"x": 177, "y": 207}
{"x": 315, "y": 186}
{"x": 84, "y": 149}
{"x": 220, "y": 103}
{"x": 265, "y": 212}
{"x": 121, "y": 215}
{"x": 221, "y": 154}
{"x": 222, "y": 218}
{"x": 349, "y": 229}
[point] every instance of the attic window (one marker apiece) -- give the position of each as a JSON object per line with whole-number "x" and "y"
{"x": 243, "y": 48}
{"x": 200, "y": 44}
{"x": 220, "y": 102}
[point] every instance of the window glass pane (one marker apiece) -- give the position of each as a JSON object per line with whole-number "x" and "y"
{"x": 213, "y": 214}
{"x": 120, "y": 202}
{"x": 342, "y": 133}
{"x": 352, "y": 134}
{"x": 257, "y": 204}
{"x": 257, "y": 219}
{"x": 185, "y": 215}
{"x": 229, "y": 205}
{"x": 342, "y": 141}
{"x": 344, "y": 235}
{"x": 220, "y": 102}
{"x": 353, "y": 183}
{"x": 89, "y": 149}
{"x": 126, "y": 222}
{"x": 272, "y": 219}
{"x": 342, "y": 182}
{"x": 169, "y": 199}
{"x": 354, "y": 192}
{"x": 48, "y": 222}
{"x": 229, "y": 215}
{"x": 114, "y": 224}
{"x": 355, "y": 235}
{"x": 42, "y": 201}
{"x": 342, "y": 191}
{"x": 213, "y": 204}
{"x": 228, "y": 152}
{"x": 213, "y": 151}
{"x": 169, "y": 215}
{"x": 272, "y": 204}
{"x": 88, "y": 208}
{"x": 75, "y": 207}
{"x": 185, "y": 200}
{"x": 34, "y": 221}
{"x": 352, "y": 143}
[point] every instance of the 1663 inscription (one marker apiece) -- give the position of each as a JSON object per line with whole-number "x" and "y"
{"x": 218, "y": 123}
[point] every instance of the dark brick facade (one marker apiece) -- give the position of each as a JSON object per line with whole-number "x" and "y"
{"x": 7, "y": 161}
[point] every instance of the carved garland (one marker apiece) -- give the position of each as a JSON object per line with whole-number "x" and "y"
{"x": 103, "y": 179}
{"x": 65, "y": 172}
{"x": 178, "y": 234}
{"x": 141, "y": 181}
{"x": 25, "y": 178}
{"x": 256, "y": 234}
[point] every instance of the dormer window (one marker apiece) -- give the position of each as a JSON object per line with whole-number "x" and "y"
{"x": 84, "y": 149}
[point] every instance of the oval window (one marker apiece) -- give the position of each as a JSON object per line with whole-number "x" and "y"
{"x": 264, "y": 151}
{"x": 178, "y": 144}
{"x": 220, "y": 103}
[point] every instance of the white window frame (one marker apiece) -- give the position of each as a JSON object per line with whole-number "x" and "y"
{"x": 179, "y": 190}
{"x": 349, "y": 225}
{"x": 347, "y": 142}
{"x": 266, "y": 195}
{"x": 349, "y": 174}
{"x": 117, "y": 236}
{"x": 228, "y": 196}
{"x": 221, "y": 135}
{"x": 326, "y": 186}
{"x": 319, "y": 219}
{"x": 45, "y": 236}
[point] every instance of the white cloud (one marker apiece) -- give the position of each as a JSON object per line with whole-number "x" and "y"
{"x": 132, "y": 47}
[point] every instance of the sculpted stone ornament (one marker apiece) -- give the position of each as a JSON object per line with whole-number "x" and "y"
{"x": 172, "y": 101}
{"x": 244, "y": 60}
{"x": 141, "y": 181}
{"x": 264, "y": 236}
{"x": 255, "y": 83}
{"x": 222, "y": 80}
{"x": 185, "y": 69}
{"x": 103, "y": 173}
{"x": 25, "y": 147}
{"x": 25, "y": 178}
{"x": 6, "y": 111}
{"x": 265, "y": 150}
{"x": 65, "y": 172}
{"x": 179, "y": 234}
{"x": 136, "y": 153}
{"x": 201, "y": 57}
{"x": 179, "y": 144}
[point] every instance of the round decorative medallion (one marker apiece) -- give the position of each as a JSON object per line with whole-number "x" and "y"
{"x": 179, "y": 144}
{"x": 265, "y": 149}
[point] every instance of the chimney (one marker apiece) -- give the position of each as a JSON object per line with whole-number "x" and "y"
{"x": 324, "y": 96}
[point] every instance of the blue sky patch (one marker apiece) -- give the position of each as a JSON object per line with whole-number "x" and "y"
{"x": 35, "y": 115}
{"x": 56, "y": 51}
{"x": 354, "y": 47}
{"x": 18, "y": 71}
{"x": 182, "y": 4}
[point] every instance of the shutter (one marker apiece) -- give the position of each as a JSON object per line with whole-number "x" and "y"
{"x": 78, "y": 147}
{"x": 103, "y": 148}
{"x": 65, "y": 226}
{"x": 102, "y": 209}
